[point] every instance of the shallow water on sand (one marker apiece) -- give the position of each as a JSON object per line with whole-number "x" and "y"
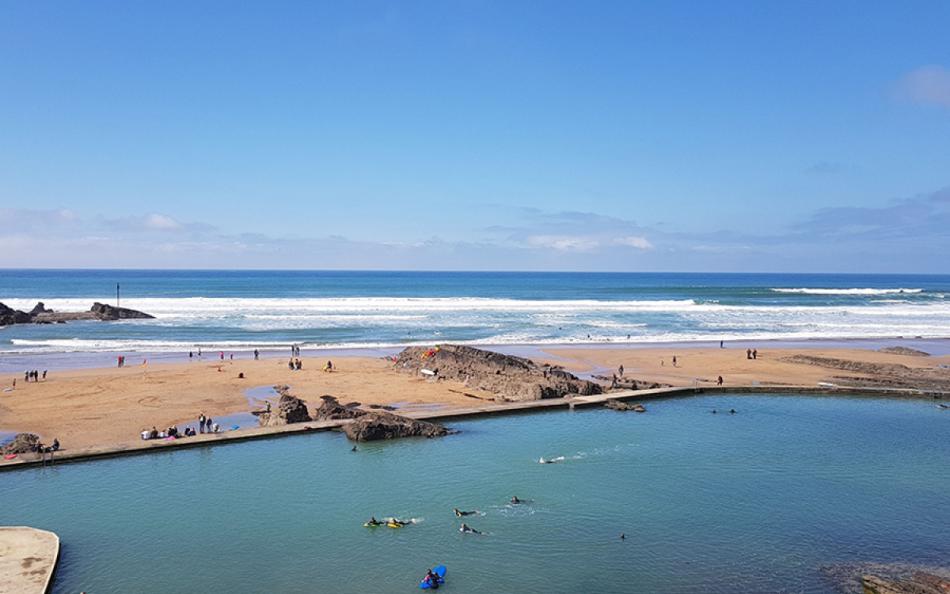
{"x": 752, "y": 502}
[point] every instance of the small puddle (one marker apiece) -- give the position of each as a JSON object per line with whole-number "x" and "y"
{"x": 257, "y": 398}
{"x": 418, "y": 406}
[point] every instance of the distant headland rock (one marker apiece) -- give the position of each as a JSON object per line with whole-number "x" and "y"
{"x": 41, "y": 315}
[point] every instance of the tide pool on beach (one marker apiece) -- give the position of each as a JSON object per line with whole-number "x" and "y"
{"x": 758, "y": 501}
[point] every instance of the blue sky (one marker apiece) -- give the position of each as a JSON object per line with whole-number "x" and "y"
{"x": 734, "y": 136}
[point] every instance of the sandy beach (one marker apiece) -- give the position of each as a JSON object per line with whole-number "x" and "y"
{"x": 96, "y": 407}
{"x": 703, "y": 366}
{"x": 109, "y": 407}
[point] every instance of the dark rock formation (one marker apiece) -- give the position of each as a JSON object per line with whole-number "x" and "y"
{"x": 10, "y": 316}
{"x": 290, "y": 409}
{"x": 21, "y": 444}
{"x": 510, "y": 378}
{"x": 105, "y": 311}
{"x": 332, "y": 410}
{"x": 41, "y": 315}
{"x": 621, "y": 405}
{"x": 383, "y": 425}
{"x": 899, "y": 350}
{"x": 39, "y": 308}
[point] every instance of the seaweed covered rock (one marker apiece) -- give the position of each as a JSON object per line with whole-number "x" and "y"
{"x": 375, "y": 425}
{"x": 509, "y": 377}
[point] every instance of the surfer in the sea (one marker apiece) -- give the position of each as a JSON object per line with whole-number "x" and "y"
{"x": 468, "y": 529}
{"x": 459, "y": 513}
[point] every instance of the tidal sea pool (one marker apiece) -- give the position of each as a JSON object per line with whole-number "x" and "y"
{"x": 758, "y": 501}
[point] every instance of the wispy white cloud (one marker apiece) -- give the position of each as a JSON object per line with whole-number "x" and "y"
{"x": 161, "y": 222}
{"x": 634, "y": 241}
{"x": 563, "y": 243}
{"x": 928, "y": 85}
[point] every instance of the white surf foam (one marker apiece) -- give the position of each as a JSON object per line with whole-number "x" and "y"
{"x": 854, "y": 291}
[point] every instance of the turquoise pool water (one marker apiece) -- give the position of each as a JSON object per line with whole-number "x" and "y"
{"x": 752, "y": 502}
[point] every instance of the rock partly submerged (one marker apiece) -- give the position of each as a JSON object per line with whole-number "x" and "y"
{"x": 376, "y": 425}
{"x": 508, "y": 377}
{"x": 615, "y": 404}
{"x": 41, "y": 315}
{"x": 888, "y": 578}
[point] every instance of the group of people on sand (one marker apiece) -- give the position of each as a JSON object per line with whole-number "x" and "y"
{"x": 32, "y": 376}
{"x": 295, "y": 364}
{"x": 751, "y": 354}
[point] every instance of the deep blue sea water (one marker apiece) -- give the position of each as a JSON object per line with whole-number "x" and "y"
{"x": 242, "y": 310}
{"x": 759, "y": 501}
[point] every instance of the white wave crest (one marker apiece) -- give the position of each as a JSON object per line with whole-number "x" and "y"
{"x": 855, "y": 291}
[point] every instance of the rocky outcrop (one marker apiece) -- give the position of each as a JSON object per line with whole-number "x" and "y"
{"x": 10, "y": 316}
{"x": 628, "y": 383}
{"x": 375, "y": 425}
{"x": 41, "y": 315}
{"x": 888, "y": 578}
{"x": 289, "y": 409}
{"x": 331, "y": 410}
{"x": 615, "y": 404}
{"x": 104, "y": 311}
{"x": 883, "y": 375}
{"x": 22, "y": 444}
{"x": 900, "y": 350}
{"x": 39, "y": 308}
{"x": 508, "y": 377}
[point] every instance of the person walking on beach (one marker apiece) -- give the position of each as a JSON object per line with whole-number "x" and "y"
{"x": 755, "y": 354}
{"x": 620, "y": 370}
{"x": 674, "y": 360}
{"x": 748, "y": 353}
{"x": 720, "y": 345}
{"x": 257, "y": 354}
{"x": 44, "y": 374}
{"x": 719, "y": 381}
{"x": 201, "y": 423}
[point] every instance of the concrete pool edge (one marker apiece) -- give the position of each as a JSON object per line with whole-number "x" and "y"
{"x": 499, "y": 408}
{"x": 24, "y": 545}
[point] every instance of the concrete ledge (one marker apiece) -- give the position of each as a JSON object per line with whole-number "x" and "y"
{"x": 28, "y": 558}
{"x": 495, "y": 408}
